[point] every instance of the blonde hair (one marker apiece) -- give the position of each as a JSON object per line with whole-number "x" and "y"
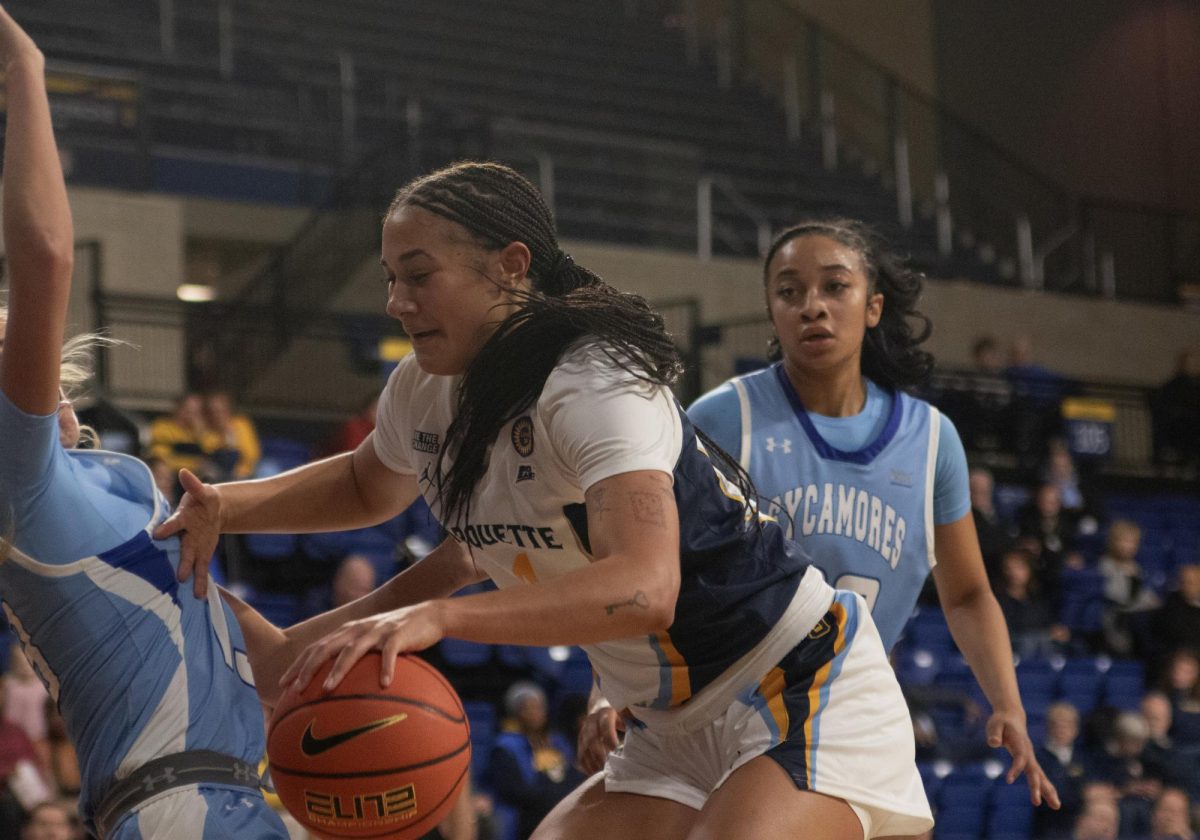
{"x": 76, "y": 368}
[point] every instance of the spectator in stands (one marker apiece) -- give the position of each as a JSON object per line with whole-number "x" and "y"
{"x": 178, "y": 439}
{"x": 1179, "y": 768}
{"x": 165, "y": 479}
{"x": 54, "y": 820}
{"x": 231, "y": 440}
{"x": 22, "y": 783}
{"x": 1044, "y": 520}
{"x": 1063, "y": 763}
{"x": 1176, "y": 412}
{"x": 1029, "y": 615}
{"x": 988, "y": 357}
{"x": 1060, "y": 470}
{"x": 984, "y": 411}
{"x": 1126, "y": 592}
{"x": 1036, "y": 395}
{"x": 1100, "y": 819}
{"x": 1178, "y": 622}
{"x": 1171, "y": 818}
{"x": 995, "y": 535}
{"x": 355, "y": 577}
{"x": 962, "y": 743}
{"x": 531, "y": 766}
{"x": 25, "y": 700}
{"x": 63, "y": 762}
{"x": 1121, "y": 763}
{"x": 354, "y": 431}
{"x": 1181, "y": 683}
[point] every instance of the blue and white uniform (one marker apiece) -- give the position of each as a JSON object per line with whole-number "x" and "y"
{"x": 748, "y": 601}
{"x": 861, "y": 494}
{"x": 138, "y": 666}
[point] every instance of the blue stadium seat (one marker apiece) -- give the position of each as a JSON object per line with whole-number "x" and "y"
{"x": 967, "y": 788}
{"x": 1124, "y": 685}
{"x": 281, "y": 454}
{"x": 463, "y": 654}
{"x": 576, "y": 677}
{"x": 1080, "y": 684}
{"x": 1037, "y": 681}
{"x": 917, "y": 666}
{"x": 271, "y": 546}
{"x": 281, "y": 609}
{"x": 1011, "y": 811}
{"x": 482, "y": 717}
{"x": 928, "y": 630}
{"x": 954, "y": 822}
{"x": 531, "y": 658}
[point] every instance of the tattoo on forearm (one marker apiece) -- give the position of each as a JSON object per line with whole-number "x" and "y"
{"x": 638, "y": 600}
{"x": 648, "y": 508}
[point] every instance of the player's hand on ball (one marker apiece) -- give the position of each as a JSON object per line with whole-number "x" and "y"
{"x": 198, "y": 522}
{"x": 392, "y": 633}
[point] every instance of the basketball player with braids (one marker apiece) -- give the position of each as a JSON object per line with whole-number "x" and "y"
{"x": 534, "y": 415}
{"x": 870, "y": 480}
{"x": 154, "y": 688}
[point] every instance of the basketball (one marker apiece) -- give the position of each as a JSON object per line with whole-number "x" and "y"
{"x": 364, "y": 761}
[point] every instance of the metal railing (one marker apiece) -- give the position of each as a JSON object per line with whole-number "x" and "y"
{"x": 981, "y": 197}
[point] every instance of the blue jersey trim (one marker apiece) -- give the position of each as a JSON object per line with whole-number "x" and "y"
{"x": 826, "y": 450}
{"x": 141, "y": 557}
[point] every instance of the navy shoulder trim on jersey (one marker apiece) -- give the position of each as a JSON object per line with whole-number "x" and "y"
{"x": 823, "y": 447}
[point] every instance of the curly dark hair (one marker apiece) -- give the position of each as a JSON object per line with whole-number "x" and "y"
{"x": 891, "y": 356}
{"x": 567, "y": 302}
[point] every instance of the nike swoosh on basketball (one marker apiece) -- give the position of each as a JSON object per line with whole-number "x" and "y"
{"x": 311, "y": 745}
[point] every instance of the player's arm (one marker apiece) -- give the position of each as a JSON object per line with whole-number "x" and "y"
{"x": 629, "y": 589}
{"x": 977, "y": 625}
{"x": 37, "y": 230}
{"x": 351, "y": 490}
{"x": 444, "y": 571}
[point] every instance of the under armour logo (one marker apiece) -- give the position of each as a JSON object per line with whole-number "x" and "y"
{"x": 165, "y": 780}
{"x": 786, "y": 446}
{"x": 242, "y": 772}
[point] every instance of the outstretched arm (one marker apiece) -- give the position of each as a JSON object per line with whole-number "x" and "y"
{"x": 352, "y": 490}
{"x": 38, "y": 235}
{"x": 629, "y": 589}
{"x": 272, "y": 650}
{"x": 978, "y": 628}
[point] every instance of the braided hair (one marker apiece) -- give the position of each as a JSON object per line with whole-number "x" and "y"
{"x": 890, "y": 354}
{"x": 566, "y": 302}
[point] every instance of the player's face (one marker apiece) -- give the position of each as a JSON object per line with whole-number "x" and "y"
{"x": 821, "y": 304}
{"x": 443, "y": 287}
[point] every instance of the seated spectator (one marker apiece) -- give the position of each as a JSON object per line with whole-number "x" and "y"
{"x": 985, "y": 409}
{"x": 53, "y": 820}
{"x": 1121, "y": 763}
{"x": 1036, "y": 395}
{"x": 1178, "y": 768}
{"x": 177, "y": 439}
{"x": 1077, "y": 500}
{"x": 1124, "y": 589}
{"x": 531, "y": 766}
{"x": 1175, "y": 408}
{"x": 1028, "y": 615}
{"x": 965, "y": 743}
{"x": 1181, "y": 683}
{"x": 1171, "y": 818}
{"x": 165, "y": 479}
{"x": 355, "y": 577}
{"x": 1061, "y": 760}
{"x": 1099, "y": 819}
{"x": 354, "y": 431}
{"x": 25, "y": 700}
{"x": 22, "y": 783}
{"x": 1045, "y": 521}
{"x": 231, "y": 440}
{"x": 63, "y": 761}
{"x": 995, "y": 535}
{"x": 1178, "y": 622}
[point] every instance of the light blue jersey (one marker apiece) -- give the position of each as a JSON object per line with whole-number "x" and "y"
{"x": 138, "y": 666}
{"x": 861, "y": 494}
